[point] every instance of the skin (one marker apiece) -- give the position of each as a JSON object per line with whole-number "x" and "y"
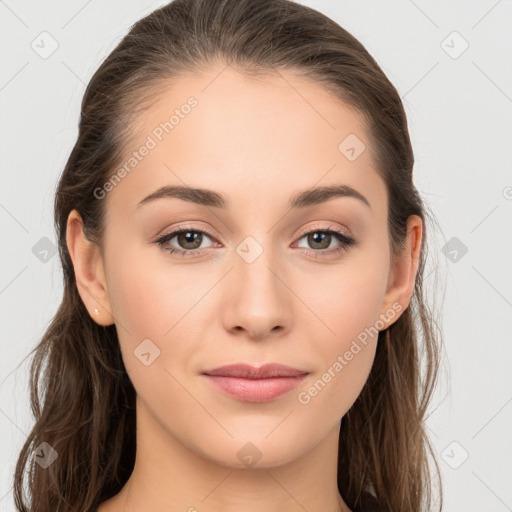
{"x": 246, "y": 139}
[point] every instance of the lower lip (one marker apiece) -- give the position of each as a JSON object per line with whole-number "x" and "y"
{"x": 255, "y": 390}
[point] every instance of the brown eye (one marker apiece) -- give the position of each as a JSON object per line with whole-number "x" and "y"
{"x": 188, "y": 241}
{"x": 319, "y": 241}
{"x": 193, "y": 238}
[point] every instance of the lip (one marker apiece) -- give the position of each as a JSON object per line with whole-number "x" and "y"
{"x": 247, "y": 371}
{"x": 255, "y": 384}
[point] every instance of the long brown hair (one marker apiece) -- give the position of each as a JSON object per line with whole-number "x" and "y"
{"x": 81, "y": 397}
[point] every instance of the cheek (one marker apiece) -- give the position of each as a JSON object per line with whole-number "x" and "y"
{"x": 150, "y": 303}
{"x": 347, "y": 303}
{"x": 330, "y": 393}
{"x": 350, "y": 311}
{"x": 155, "y": 299}
{"x": 345, "y": 300}
{"x": 150, "y": 296}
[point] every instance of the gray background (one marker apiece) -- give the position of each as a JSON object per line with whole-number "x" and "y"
{"x": 459, "y": 107}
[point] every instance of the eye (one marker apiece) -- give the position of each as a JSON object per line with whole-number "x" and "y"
{"x": 190, "y": 241}
{"x": 190, "y": 238}
{"x": 320, "y": 240}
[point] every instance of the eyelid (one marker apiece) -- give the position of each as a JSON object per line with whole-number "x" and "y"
{"x": 321, "y": 227}
{"x": 169, "y": 235}
{"x": 187, "y": 224}
{"x": 345, "y": 240}
{"x": 305, "y": 231}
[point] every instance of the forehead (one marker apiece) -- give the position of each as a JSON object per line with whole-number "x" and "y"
{"x": 245, "y": 136}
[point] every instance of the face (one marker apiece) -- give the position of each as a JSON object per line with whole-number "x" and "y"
{"x": 253, "y": 277}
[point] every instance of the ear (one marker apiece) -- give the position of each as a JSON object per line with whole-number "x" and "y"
{"x": 402, "y": 276}
{"x": 89, "y": 271}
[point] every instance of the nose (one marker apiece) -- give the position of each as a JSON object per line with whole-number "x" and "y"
{"x": 256, "y": 300}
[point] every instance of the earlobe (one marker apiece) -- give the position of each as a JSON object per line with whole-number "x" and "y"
{"x": 402, "y": 277}
{"x": 89, "y": 271}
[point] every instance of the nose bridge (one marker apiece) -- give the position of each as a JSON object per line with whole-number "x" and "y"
{"x": 256, "y": 267}
{"x": 257, "y": 298}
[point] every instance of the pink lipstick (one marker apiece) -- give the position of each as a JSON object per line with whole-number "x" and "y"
{"x": 255, "y": 384}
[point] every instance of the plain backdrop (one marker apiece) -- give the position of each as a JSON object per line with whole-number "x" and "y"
{"x": 450, "y": 62}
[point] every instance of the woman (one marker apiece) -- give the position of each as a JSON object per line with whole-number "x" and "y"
{"x": 243, "y": 251}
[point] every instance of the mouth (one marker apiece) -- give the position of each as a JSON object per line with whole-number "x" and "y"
{"x": 255, "y": 384}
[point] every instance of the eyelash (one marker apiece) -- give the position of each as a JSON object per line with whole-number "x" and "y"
{"x": 345, "y": 241}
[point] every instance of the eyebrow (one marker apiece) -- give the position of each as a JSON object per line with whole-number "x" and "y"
{"x": 205, "y": 197}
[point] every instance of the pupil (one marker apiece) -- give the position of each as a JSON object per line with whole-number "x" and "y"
{"x": 319, "y": 238}
{"x": 189, "y": 237}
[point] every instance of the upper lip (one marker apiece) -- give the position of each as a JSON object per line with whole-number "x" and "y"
{"x": 246, "y": 371}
